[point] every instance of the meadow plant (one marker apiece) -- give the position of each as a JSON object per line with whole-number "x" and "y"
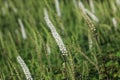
{"x": 22, "y": 29}
{"x": 114, "y": 23}
{"x": 92, "y": 15}
{"x": 82, "y": 7}
{"x": 55, "y": 34}
{"x": 91, "y": 32}
{"x": 92, "y": 6}
{"x": 86, "y": 11}
{"x": 118, "y": 2}
{"x": 24, "y": 68}
{"x": 57, "y": 8}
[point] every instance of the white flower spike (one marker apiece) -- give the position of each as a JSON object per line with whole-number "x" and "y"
{"x": 92, "y": 6}
{"x": 55, "y": 34}
{"x": 82, "y": 6}
{"x": 86, "y": 11}
{"x": 22, "y": 29}
{"x": 58, "y": 8}
{"x": 24, "y": 68}
{"x": 118, "y": 2}
{"x": 114, "y": 23}
{"x": 92, "y": 15}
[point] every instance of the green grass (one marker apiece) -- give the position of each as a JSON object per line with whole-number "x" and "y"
{"x": 102, "y": 62}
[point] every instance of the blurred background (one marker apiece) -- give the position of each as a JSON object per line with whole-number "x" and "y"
{"x": 89, "y": 29}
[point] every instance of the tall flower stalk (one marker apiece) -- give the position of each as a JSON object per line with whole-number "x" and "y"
{"x": 58, "y": 8}
{"x": 92, "y": 15}
{"x": 55, "y": 34}
{"x": 86, "y": 11}
{"x": 90, "y": 42}
{"x": 82, "y": 7}
{"x": 22, "y": 29}
{"x": 118, "y": 2}
{"x": 69, "y": 63}
{"x": 24, "y": 68}
{"x": 92, "y": 6}
{"x": 114, "y": 23}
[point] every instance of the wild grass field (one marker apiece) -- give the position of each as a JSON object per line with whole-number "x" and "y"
{"x": 59, "y": 39}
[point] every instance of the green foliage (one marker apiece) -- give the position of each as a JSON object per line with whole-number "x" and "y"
{"x": 102, "y": 62}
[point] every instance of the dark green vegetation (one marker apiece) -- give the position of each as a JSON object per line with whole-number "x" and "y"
{"x": 102, "y": 62}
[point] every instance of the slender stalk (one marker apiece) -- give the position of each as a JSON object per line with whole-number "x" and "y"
{"x": 24, "y": 68}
